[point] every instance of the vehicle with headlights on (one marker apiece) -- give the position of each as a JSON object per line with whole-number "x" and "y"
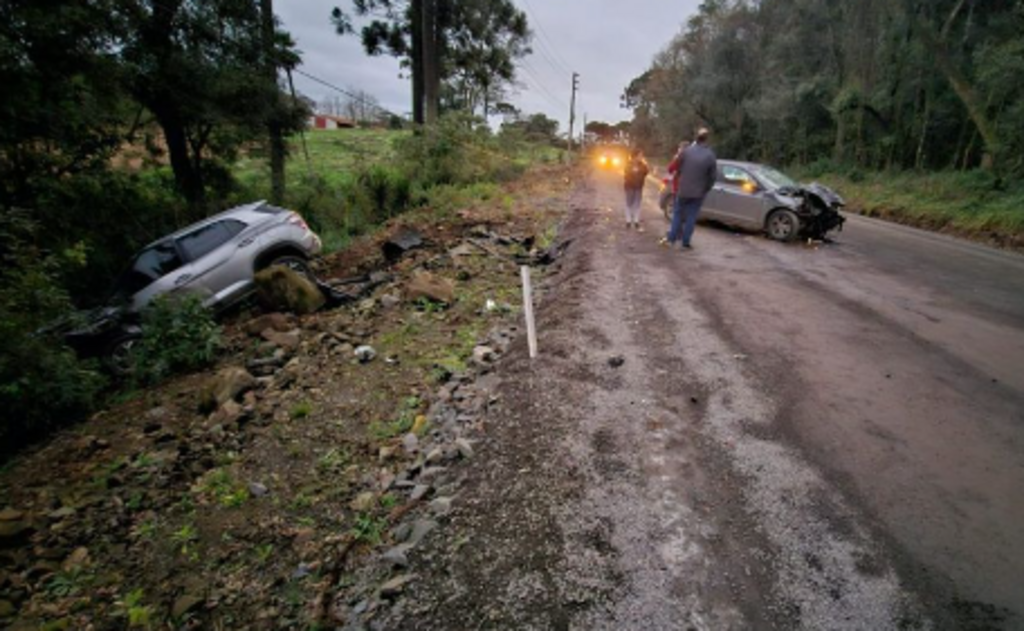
{"x": 610, "y": 157}
{"x": 758, "y": 197}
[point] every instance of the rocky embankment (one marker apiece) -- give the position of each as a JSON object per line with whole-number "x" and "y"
{"x": 291, "y": 485}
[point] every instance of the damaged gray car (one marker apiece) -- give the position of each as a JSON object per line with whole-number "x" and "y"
{"x": 758, "y": 197}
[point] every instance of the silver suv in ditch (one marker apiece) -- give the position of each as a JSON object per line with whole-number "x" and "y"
{"x": 216, "y": 259}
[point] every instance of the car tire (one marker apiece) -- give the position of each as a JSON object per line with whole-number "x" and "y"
{"x": 118, "y": 356}
{"x": 294, "y": 263}
{"x": 782, "y": 225}
{"x": 665, "y": 203}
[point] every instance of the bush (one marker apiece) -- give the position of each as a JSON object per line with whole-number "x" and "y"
{"x": 457, "y": 150}
{"x": 42, "y": 383}
{"x": 179, "y": 335}
{"x": 111, "y": 215}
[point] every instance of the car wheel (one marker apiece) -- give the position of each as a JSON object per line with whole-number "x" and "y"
{"x": 294, "y": 263}
{"x": 665, "y": 202}
{"x": 783, "y": 225}
{"x": 120, "y": 358}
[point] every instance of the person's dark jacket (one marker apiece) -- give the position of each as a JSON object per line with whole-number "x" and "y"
{"x": 636, "y": 173}
{"x": 697, "y": 171}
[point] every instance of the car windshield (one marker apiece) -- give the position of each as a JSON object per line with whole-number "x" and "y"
{"x": 149, "y": 265}
{"x": 774, "y": 179}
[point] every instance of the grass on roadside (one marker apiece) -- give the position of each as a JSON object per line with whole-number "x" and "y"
{"x": 964, "y": 203}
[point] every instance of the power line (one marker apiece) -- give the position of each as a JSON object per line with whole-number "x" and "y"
{"x": 357, "y": 97}
{"x": 545, "y": 41}
{"x": 560, "y": 103}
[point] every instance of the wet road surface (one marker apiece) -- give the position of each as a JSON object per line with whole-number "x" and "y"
{"x": 813, "y": 437}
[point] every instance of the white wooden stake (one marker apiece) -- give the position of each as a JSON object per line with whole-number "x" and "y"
{"x": 531, "y": 326}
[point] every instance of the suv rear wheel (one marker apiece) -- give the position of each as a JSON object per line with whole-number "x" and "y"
{"x": 294, "y": 263}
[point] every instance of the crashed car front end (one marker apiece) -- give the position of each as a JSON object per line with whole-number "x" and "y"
{"x": 816, "y": 205}
{"x": 100, "y": 329}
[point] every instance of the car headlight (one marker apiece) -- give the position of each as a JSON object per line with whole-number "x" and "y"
{"x": 616, "y": 161}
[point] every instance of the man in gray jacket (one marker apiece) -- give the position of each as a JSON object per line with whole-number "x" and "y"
{"x": 698, "y": 168}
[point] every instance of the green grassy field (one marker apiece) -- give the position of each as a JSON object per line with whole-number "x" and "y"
{"x": 968, "y": 204}
{"x": 355, "y": 179}
{"x": 334, "y": 155}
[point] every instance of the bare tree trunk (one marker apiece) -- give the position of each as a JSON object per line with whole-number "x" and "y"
{"x": 936, "y": 43}
{"x": 919, "y": 159}
{"x": 187, "y": 176}
{"x": 416, "y": 19}
{"x": 274, "y": 127}
{"x": 839, "y": 149}
{"x": 431, "y": 63}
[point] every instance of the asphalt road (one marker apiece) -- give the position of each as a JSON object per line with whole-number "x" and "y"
{"x": 896, "y": 358}
{"x": 750, "y": 435}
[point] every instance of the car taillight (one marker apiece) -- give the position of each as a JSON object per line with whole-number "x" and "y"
{"x": 296, "y": 219}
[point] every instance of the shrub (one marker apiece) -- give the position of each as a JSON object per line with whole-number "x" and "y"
{"x": 42, "y": 383}
{"x": 457, "y": 150}
{"x": 179, "y": 335}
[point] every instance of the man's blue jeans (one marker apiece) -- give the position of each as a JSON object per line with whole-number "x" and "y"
{"x": 688, "y": 207}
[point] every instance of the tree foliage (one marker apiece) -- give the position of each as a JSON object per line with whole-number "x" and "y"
{"x": 479, "y": 42}
{"x": 42, "y": 384}
{"x": 877, "y": 83}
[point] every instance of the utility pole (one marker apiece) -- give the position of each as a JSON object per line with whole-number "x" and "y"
{"x": 572, "y": 106}
{"x": 416, "y": 57}
{"x": 274, "y": 127}
{"x": 431, "y": 63}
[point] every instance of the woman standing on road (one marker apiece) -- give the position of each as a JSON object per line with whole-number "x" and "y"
{"x": 635, "y": 177}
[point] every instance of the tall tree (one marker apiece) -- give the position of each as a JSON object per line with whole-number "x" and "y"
{"x": 62, "y": 111}
{"x": 878, "y": 83}
{"x": 201, "y": 69}
{"x": 473, "y": 45}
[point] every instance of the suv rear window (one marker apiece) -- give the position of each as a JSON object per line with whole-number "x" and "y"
{"x": 201, "y": 242}
{"x": 270, "y": 210}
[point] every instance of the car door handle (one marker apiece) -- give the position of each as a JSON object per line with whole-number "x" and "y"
{"x": 246, "y": 242}
{"x": 181, "y": 280}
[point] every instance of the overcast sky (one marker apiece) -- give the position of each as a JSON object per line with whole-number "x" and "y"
{"x": 609, "y": 42}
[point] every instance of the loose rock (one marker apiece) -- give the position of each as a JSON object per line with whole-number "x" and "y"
{"x": 363, "y": 502}
{"x": 226, "y": 386}
{"x": 483, "y": 354}
{"x": 185, "y": 604}
{"x": 283, "y": 289}
{"x": 10, "y": 514}
{"x": 365, "y": 354}
{"x": 396, "y": 586}
{"x": 465, "y": 449}
{"x": 420, "y": 529}
{"x": 273, "y": 321}
{"x": 441, "y": 506}
{"x": 288, "y": 341}
{"x": 427, "y": 286}
{"x": 397, "y": 556}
